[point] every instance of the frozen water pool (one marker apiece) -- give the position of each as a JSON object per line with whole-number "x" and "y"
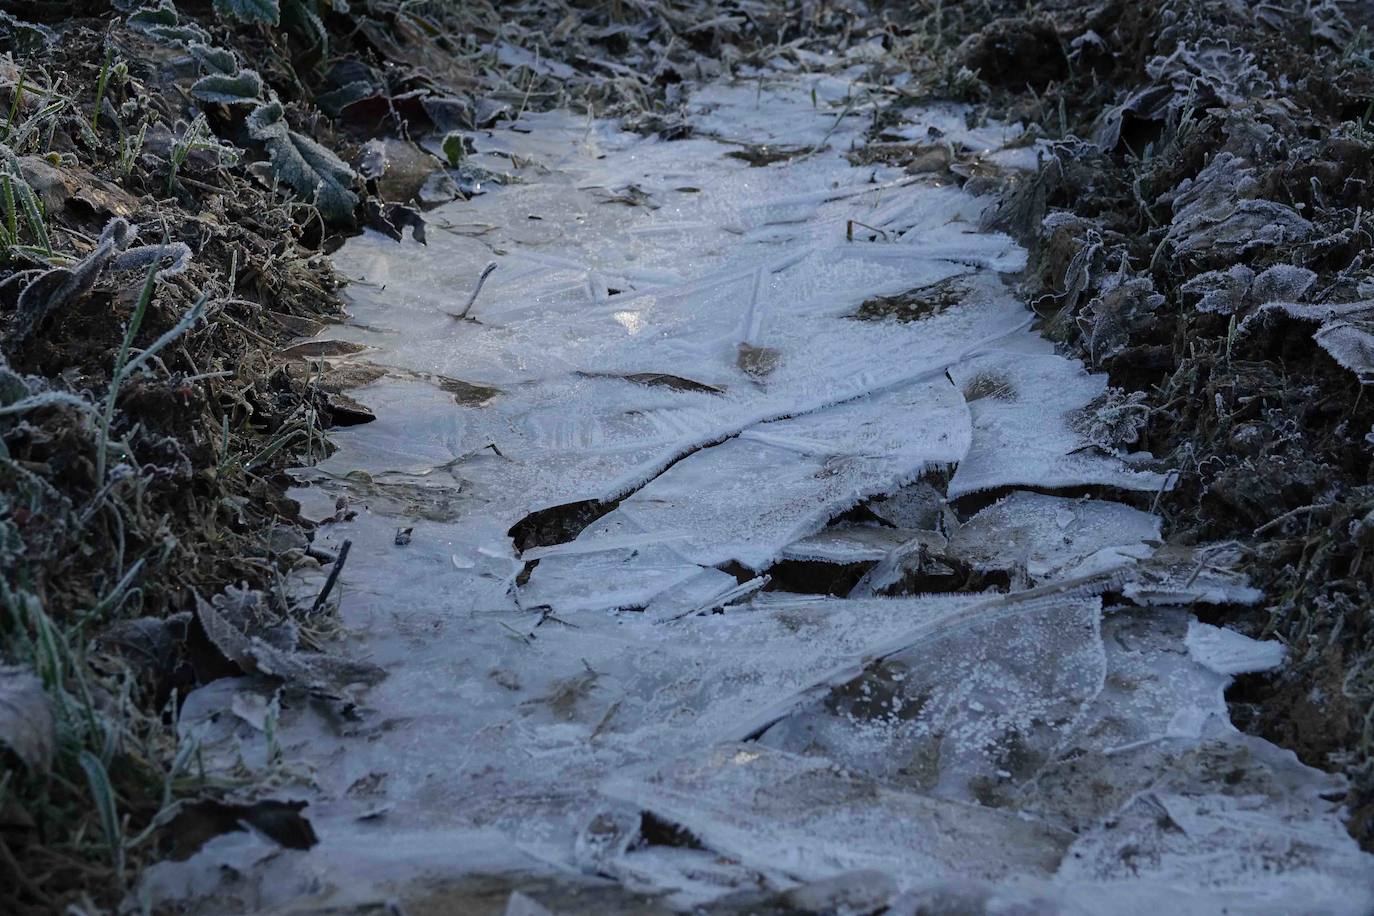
{"x": 668, "y": 387}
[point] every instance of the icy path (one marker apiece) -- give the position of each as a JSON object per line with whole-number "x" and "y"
{"x": 670, "y": 337}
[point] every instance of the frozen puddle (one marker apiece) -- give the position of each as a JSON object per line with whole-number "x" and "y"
{"x": 689, "y": 386}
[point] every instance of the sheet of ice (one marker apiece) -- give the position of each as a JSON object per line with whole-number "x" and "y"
{"x": 979, "y": 701}
{"x": 848, "y": 543}
{"x": 1155, "y": 689}
{"x": 1054, "y": 536}
{"x": 807, "y": 817}
{"x": 1228, "y": 652}
{"x": 746, "y": 499}
{"x": 1021, "y": 432}
{"x": 671, "y": 328}
{"x": 1180, "y": 575}
{"x": 1170, "y": 801}
{"x": 1201, "y": 852}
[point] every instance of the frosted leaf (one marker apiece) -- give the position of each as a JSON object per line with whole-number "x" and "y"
{"x": 162, "y": 22}
{"x": 1227, "y": 292}
{"x": 1216, "y": 215}
{"x": 1222, "y": 292}
{"x": 1151, "y": 103}
{"x": 243, "y": 88}
{"x": 264, "y": 11}
{"x": 1231, "y": 74}
{"x": 1122, "y": 305}
{"x": 27, "y": 36}
{"x": 973, "y": 707}
{"x": 1323, "y": 19}
{"x": 1362, "y": 310}
{"x": 14, "y": 386}
{"x": 1079, "y": 273}
{"x": 1200, "y": 74}
{"x": 1351, "y": 344}
{"x": 1282, "y": 282}
{"x": 214, "y": 59}
{"x": 1345, "y": 333}
{"x": 1112, "y": 420}
{"x": 223, "y": 623}
{"x": 164, "y": 13}
{"x": 27, "y": 726}
{"x": 312, "y": 170}
{"x": 49, "y": 291}
{"x": 144, "y": 256}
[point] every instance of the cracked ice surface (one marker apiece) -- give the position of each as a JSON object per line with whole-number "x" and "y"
{"x": 692, "y": 356}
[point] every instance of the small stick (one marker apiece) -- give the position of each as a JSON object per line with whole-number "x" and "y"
{"x": 486, "y": 272}
{"x": 849, "y": 230}
{"x": 333, "y": 577}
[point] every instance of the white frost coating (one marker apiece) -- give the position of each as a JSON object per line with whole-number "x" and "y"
{"x": 669, "y": 304}
{"x": 1021, "y": 435}
{"x": 1054, "y": 536}
{"x": 1228, "y": 652}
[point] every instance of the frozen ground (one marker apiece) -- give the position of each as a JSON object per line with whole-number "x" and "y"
{"x": 639, "y": 719}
